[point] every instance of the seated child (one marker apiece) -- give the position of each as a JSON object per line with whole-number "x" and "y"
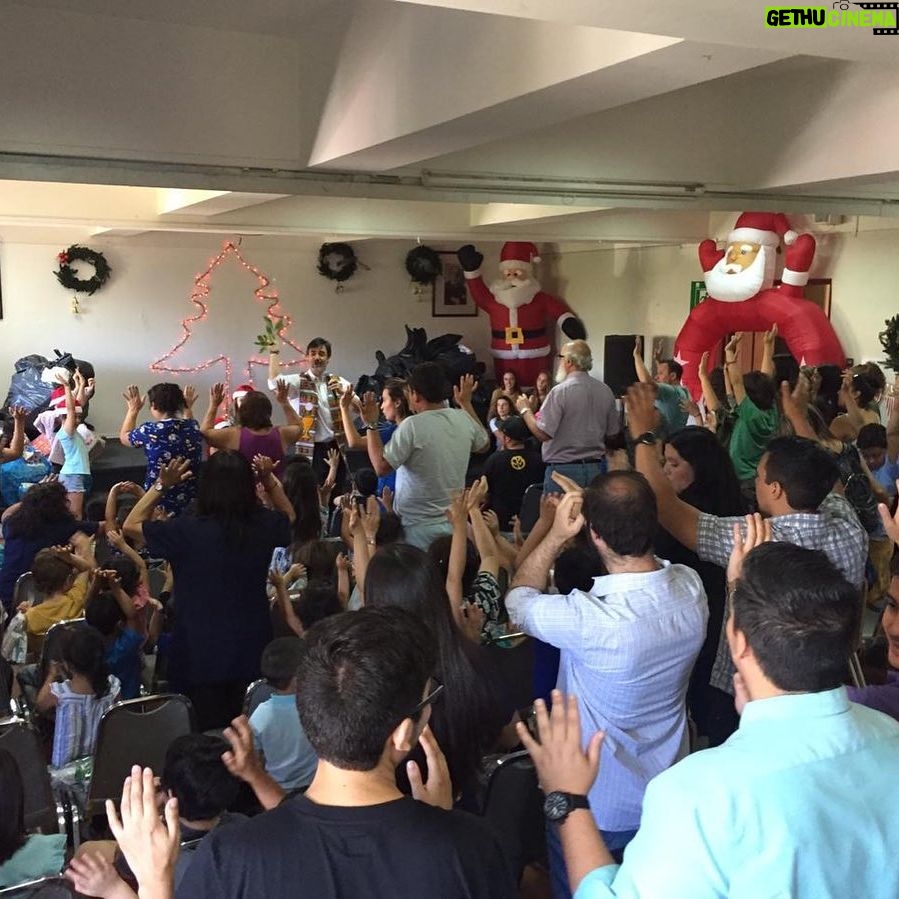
{"x": 123, "y": 624}
{"x": 277, "y": 732}
{"x": 62, "y": 575}
{"x": 81, "y": 689}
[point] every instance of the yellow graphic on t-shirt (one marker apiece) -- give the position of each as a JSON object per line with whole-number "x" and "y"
{"x": 517, "y": 462}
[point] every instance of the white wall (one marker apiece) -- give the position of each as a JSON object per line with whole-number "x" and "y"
{"x": 136, "y": 316}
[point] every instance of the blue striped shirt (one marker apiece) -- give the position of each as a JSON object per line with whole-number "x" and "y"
{"x": 627, "y": 649}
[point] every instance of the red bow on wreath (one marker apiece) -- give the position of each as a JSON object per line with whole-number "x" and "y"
{"x": 63, "y": 258}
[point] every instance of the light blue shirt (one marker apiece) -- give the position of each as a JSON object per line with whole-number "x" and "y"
{"x": 627, "y": 649}
{"x": 887, "y": 475}
{"x": 797, "y": 804}
{"x": 77, "y": 459}
{"x": 278, "y": 734}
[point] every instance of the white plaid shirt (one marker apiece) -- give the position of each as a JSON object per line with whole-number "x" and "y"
{"x": 834, "y": 529}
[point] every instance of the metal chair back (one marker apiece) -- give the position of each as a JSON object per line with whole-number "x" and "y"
{"x": 41, "y": 808}
{"x": 530, "y": 507}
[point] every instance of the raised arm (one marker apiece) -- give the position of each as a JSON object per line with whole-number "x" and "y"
{"x": 353, "y": 438}
{"x": 17, "y": 444}
{"x": 243, "y": 762}
{"x": 769, "y": 340}
{"x": 528, "y": 416}
{"x": 122, "y": 545}
{"x": 70, "y": 422}
{"x": 462, "y": 395}
{"x": 680, "y": 519}
{"x": 854, "y": 413}
{"x": 795, "y": 407}
{"x": 370, "y": 414}
{"x": 285, "y": 606}
{"x": 732, "y": 367}
{"x": 264, "y": 466}
{"x": 134, "y": 403}
{"x": 457, "y": 515}
{"x": 223, "y": 438}
{"x": 282, "y": 395}
{"x": 483, "y": 539}
{"x": 643, "y": 373}
{"x": 169, "y": 474}
{"x": 330, "y": 481}
{"x": 710, "y": 398}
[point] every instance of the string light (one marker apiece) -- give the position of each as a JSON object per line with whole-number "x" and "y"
{"x": 199, "y": 295}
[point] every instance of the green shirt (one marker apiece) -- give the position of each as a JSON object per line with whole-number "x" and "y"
{"x": 752, "y": 432}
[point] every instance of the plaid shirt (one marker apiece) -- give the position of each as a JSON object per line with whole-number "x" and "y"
{"x": 834, "y": 529}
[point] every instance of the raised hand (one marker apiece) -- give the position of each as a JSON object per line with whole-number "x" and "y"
{"x": 93, "y": 875}
{"x": 638, "y": 346}
{"x": 387, "y": 499}
{"x": 371, "y": 408}
{"x": 569, "y": 519}
{"x": 476, "y": 494}
{"x": 438, "y": 790}
{"x": 346, "y": 397}
{"x": 241, "y": 759}
{"x": 770, "y": 337}
{"x": 566, "y": 483}
{"x": 370, "y": 516}
{"x": 19, "y": 413}
{"x": 733, "y": 346}
{"x": 282, "y": 391}
{"x": 758, "y": 531}
{"x": 641, "y": 410}
{"x": 472, "y": 624}
{"x": 150, "y": 844}
{"x": 704, "y": 364}
{"x": 492, "y": 521}
{"x": 457, "y": 510}
{"x": 464, "y": 389}
{"x": 522, "y": 404}
{"x": 133, "y": 398}
{"x": 549, "y": 502}
{"x": 263, "y": 466}
{"x": 190, "y": 397}
{"x": 174, "y": 472}
{"x": 691, "y": 408}
{"x": 216, "y": 394}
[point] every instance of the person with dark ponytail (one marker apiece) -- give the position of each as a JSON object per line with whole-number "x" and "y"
{"x": 470, "y": 719}
{"x": 22, "y": 856}
{"x": 81, "y": 689}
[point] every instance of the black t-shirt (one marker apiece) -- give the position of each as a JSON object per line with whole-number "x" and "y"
{"x": 301, "y": 850}
{"x": 509, "y": 473}
{"x": 222, "y": 620}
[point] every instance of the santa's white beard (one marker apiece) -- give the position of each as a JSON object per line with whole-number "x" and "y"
{"x": 734, "y": 288}
{"x": 513, "y": 292}
{"x": 561, "y": 374}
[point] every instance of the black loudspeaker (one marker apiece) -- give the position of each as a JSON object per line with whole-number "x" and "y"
{"x": 618, "y": 362}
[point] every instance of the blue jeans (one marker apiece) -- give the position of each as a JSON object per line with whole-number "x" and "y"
{"x": 580, "y": 472}
{"x": 615, "y": 841}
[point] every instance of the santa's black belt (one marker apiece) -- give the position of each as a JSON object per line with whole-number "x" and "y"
{"x": 527, "y": 335}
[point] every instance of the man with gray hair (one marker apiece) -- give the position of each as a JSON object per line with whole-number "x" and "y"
{"x": 575, "y": 419}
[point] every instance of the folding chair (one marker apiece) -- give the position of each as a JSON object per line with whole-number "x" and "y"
{"x": 513, "y": 804}
{"x": 25, "y": 591}
{"x": 530, "y": 507}
{"x": 42, "y": 810}
{"x": 135, "y": 732}
{"x": 257, "y": 693}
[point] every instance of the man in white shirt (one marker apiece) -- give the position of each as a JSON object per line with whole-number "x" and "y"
{"x": 315, "y": 396}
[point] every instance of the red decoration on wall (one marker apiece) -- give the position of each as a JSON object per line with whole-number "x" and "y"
{"x": 199, "y": 296}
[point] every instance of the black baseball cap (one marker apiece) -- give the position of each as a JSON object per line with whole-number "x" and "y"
{"x": 514, "y": 427}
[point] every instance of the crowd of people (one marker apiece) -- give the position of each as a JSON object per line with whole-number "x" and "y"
{"x": 692, "y": 583}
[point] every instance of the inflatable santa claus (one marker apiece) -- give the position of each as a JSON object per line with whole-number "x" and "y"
{"x": 522, "y": 317}
{"x": 742, "y": 296}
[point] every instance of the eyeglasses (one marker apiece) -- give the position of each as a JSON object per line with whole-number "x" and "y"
{"x": 431, "y": 698}
{"x": 561, "y": 356}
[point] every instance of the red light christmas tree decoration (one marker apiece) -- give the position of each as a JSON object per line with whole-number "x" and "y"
{"x": 199, "y": 295}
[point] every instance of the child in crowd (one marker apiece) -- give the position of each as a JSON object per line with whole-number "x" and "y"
{"x": 81, "y": 689}
{"x": 62, "y": 575}
{"x": 75, "y": 474}
{"x": 123, "y": 624}
{"x": 173, "y": 434}
{"x": 276, "y": 727}
{"x": 879, "y": 447}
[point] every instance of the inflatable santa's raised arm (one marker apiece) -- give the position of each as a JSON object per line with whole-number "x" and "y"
{"x": 522, "y": 317}
{"x": 742, "y": 296}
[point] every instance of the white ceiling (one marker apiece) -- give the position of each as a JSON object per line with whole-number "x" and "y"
{"x": 556, "y": 120}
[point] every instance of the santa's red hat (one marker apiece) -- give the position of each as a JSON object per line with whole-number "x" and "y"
{"x": 766, "y": 228}
{"x": 58, "y": 401}
{"x": 222, "y": 421}
{"x": 518, "y": 252}
{"x": 241, "y": 391}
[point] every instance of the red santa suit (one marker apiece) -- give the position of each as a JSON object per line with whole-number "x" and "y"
{"x": 522, "y": 323}
{"x": 807, "y": 331}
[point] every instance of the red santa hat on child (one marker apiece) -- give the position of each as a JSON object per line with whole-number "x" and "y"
{"x": 58, "y": 401}
{"x": 766, "y": 228}
{"x": 518, "y": 254}
{"x": 240, "y": 392}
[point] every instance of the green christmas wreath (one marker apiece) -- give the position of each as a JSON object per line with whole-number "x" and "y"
{"x": 67, "y": 276}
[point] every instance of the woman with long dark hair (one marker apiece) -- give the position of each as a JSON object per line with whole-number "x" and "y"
{"x": 23, "y": 857}
{"x": 469, "y": 720}
{"x": 220, "y": 563}
{"x": 702, "y": 473}
{"x": 40, "y": 520}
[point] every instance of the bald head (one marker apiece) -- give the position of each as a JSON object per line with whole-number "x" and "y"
{"x": 578, "y": 353}
{"x": 620, "y": 509}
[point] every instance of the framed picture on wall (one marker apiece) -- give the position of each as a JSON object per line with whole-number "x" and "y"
{"x": 451, "y": 298}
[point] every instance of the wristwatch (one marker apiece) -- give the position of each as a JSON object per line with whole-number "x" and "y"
{"x": 647, "y": 438}
{"x": 159, "y": 487}
{"x": 558, "y": 806}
